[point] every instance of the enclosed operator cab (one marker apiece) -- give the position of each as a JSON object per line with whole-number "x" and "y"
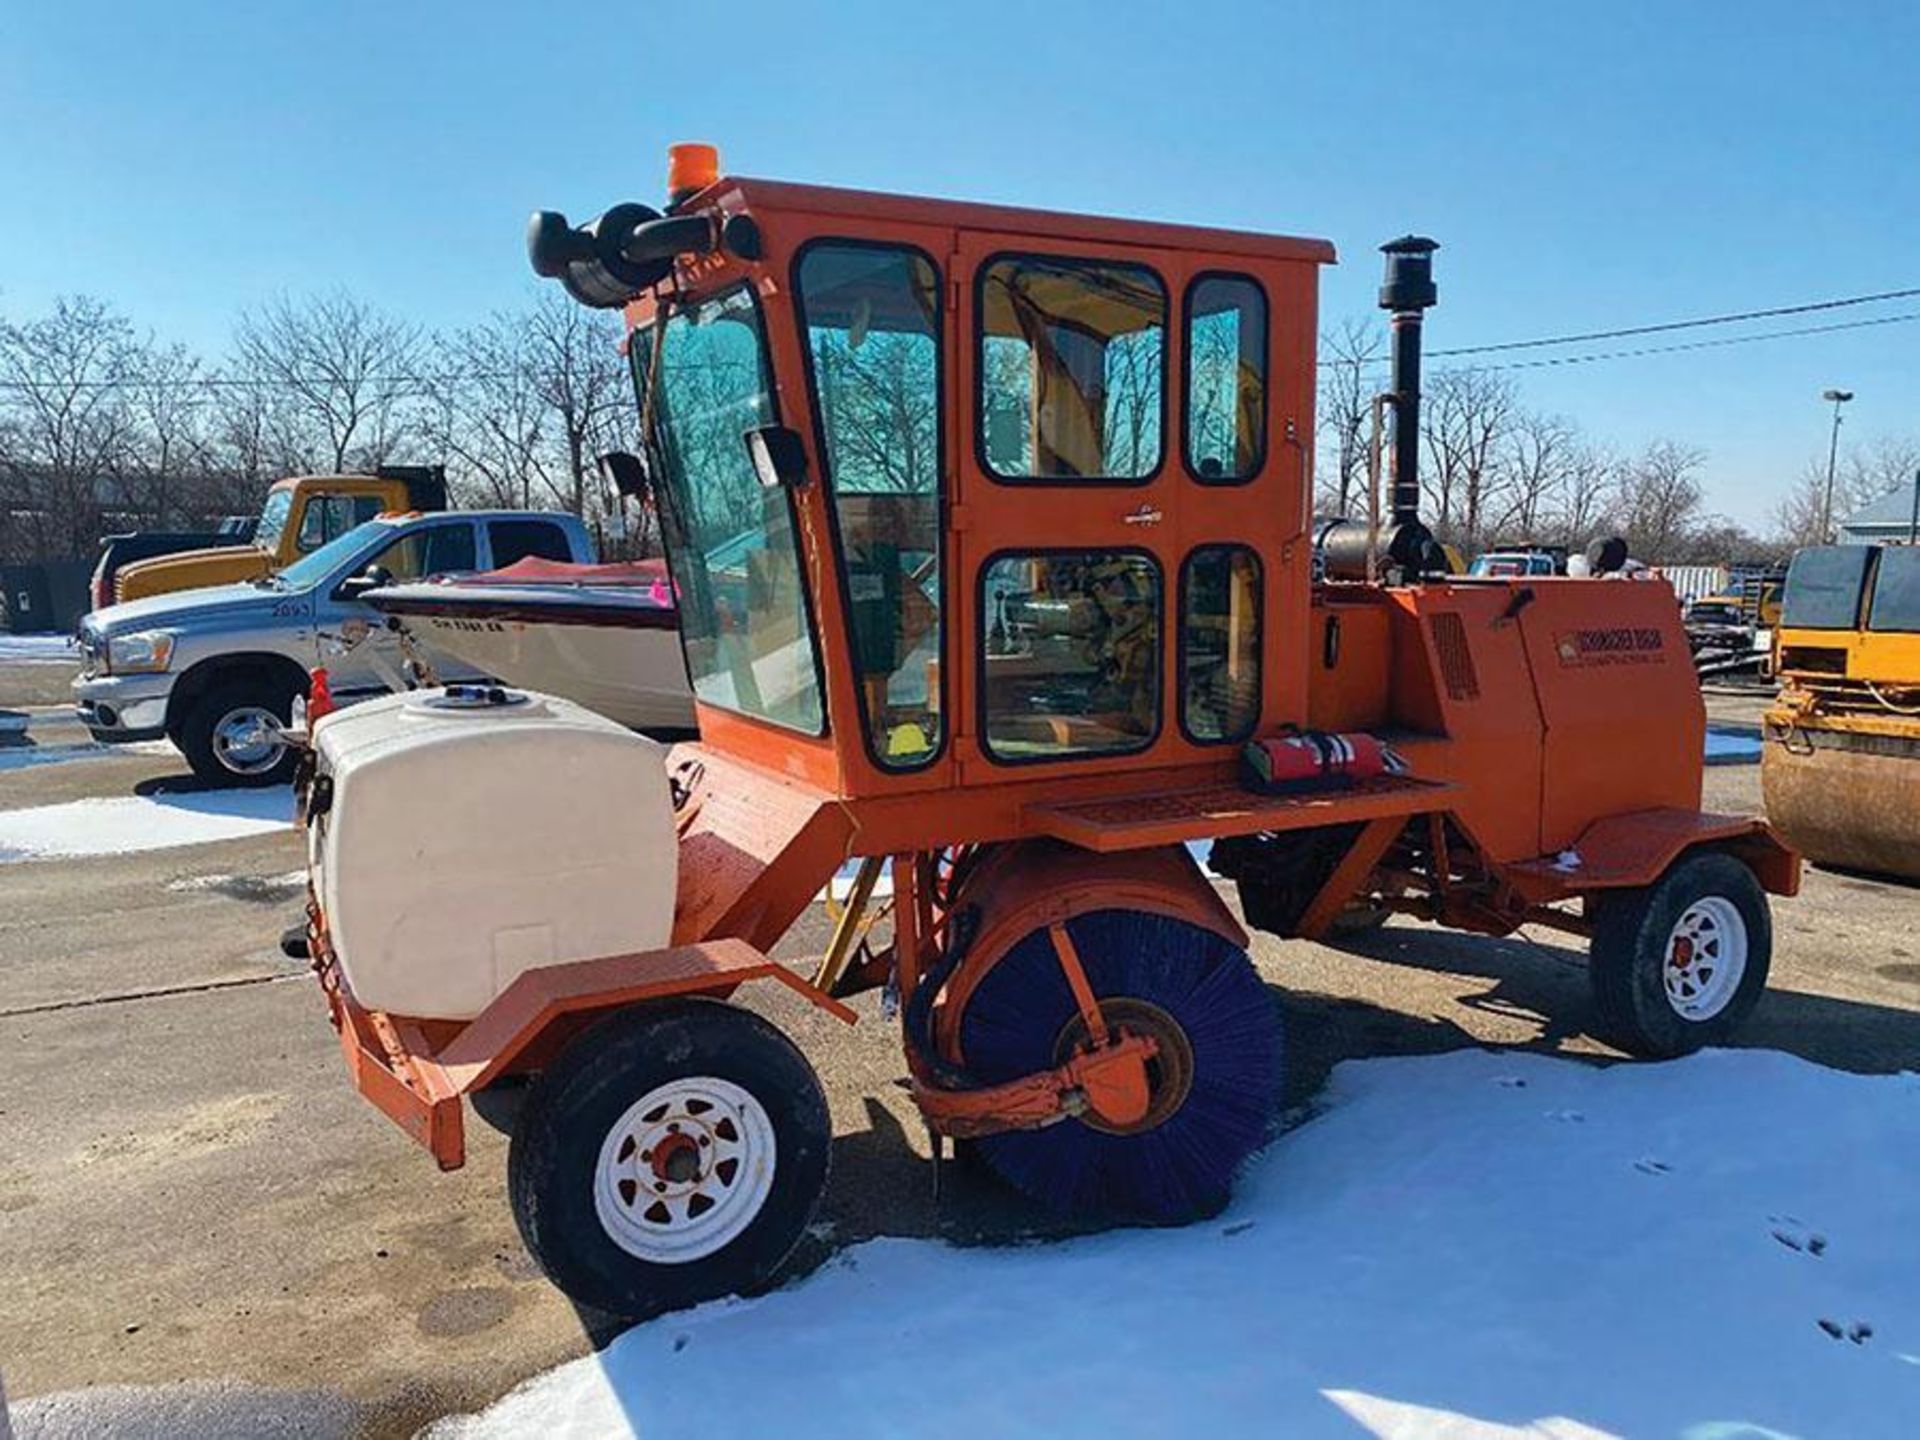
{"x": 1047, "y": 496}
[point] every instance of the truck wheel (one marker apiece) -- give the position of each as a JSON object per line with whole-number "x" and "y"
{"x": 231, "y": 734}
{"x": 673, "y": 1154}
{"x": 1681, "y": 963}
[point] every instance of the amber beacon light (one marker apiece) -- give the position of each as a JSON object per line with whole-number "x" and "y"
{"x": 691, "y": 168}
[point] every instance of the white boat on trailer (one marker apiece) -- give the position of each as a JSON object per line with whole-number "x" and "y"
{"x": 604, "y": 636}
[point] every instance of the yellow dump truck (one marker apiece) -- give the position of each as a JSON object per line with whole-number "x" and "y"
{"x": 1841, "y": 766}
{"x": 300, "y": 515}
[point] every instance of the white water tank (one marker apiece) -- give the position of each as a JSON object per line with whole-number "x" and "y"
{"x": 466, "y": 840}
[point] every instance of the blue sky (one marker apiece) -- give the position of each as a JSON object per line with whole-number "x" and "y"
{"x": 1583, "y": 167}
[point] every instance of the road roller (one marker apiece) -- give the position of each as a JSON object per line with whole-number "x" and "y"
{"x": 1002, "y": 601}
{"x": 1840, "y": 767}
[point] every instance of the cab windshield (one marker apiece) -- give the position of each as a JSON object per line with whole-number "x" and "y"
{"x": 309, "y": 570}
{"x": 744, "y": 618}
{"x": 273, "y": 518}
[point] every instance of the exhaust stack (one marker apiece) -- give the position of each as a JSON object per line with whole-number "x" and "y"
{"x": 1408, "y": 293}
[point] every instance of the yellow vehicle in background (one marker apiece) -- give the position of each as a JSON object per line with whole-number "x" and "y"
{"x": 1841, "y": 765}
{"x": 1759, "y": 604}
{"x": 300, "y": 515}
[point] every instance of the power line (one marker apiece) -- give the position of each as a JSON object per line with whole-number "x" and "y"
{"x": 1733, "y": 319}
{"x": 1381, "y": 362}
{"x": 1704, "y": 344}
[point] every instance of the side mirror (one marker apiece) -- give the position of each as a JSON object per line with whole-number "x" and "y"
{"x": 630, "y": 474}
{"x": 355, "y": 587}
{"x": 779, "y": 456}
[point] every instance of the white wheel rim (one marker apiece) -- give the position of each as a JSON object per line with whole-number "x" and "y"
{"x": 685, "y": 1170}
{"x": 248, "y": 740}
{"x": 1706, "y": 958}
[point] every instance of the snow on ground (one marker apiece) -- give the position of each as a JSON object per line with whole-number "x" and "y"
{"x": 1465, "y": 1245}
{"x": 28, "y": 757}
{"x": 53, "y": 649}
{"x": 120, "y": 825}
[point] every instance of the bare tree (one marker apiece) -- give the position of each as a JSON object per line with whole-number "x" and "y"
{"x": 1878, "y": 468}
{"x": 244, "y": 448}
{"x": 342, "y": 378}
{"x": 68, "y": 424}
{"x": 1533, "y": 461}
{"x": 171, "y": 409}
{"x": 1585, "y": 505}
{"x": 576, "y": 370}
{"x": 1881, "y": 466}
{"x": 1467, "y": 417}
{"x": 1660, "y": 499}
{"x": 484, "y": 414}
{"x": 1349, "y": 376}
{"x": 1800, "y": 518}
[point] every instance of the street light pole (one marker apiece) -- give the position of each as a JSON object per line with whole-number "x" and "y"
{"x": 1839, "y": 398}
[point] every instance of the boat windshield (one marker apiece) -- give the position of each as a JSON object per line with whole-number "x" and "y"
{"x": 744, "y": 617}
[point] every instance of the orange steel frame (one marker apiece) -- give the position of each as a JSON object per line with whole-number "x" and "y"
{"x": 1543, "y": 718}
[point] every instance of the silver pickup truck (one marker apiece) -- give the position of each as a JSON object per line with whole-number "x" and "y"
{"x": 217, "y": 671}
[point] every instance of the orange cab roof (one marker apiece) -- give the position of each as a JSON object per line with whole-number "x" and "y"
{"x": 1065, "y": 225}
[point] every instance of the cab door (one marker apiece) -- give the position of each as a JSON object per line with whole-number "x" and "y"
{"x": 1087, "y": 521}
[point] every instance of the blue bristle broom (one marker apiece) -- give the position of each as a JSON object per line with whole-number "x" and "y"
{"x": 1181, "y": 1169}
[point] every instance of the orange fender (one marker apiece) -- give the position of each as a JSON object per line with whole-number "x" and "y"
{"x": 1036, "y": 883}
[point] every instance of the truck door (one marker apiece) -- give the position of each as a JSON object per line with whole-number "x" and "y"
{"x": 443, "y": 547}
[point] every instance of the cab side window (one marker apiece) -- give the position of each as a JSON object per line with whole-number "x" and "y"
{"x": 314, "y": 530}
{"x": 1072, "y": 361}
{"x": 449, "y": 550}
{"x": 328, "y": 517}
{"x": 437, "y": 550}
{"x": 1220, "y": 643}
{"x": 1071, "y": 662}
{"x": 871, "y": 317}
{"x": 516, "y": 539}
{"x": 1226, "y": 389}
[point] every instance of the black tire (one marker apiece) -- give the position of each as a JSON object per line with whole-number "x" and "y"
{"x": 198, "y": 731}
{"x": 1632, "y": 933}
{"x": 570, "y": 1115}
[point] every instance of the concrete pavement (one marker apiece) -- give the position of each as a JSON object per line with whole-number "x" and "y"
{"x": 195, "y": 1197}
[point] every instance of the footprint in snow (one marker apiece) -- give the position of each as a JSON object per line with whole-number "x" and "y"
{"x": 1647, "y": 1165}
{"x": 1859, "y": 1332}
{"x": 1571, "y": 1117}
{"x": 1239, "y": 1227}
{"x": 1510, "y": 1082}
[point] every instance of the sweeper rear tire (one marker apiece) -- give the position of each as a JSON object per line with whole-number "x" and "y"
{"x": 1682, "y": 962}
{"x": 1213, "y": 1083}
{"x": 674, "y": 1153}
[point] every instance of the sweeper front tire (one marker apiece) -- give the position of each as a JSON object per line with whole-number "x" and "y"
{"x": 1680, "y": 963}
{"x": 1213, "y": 1083}
{"x": 673, "y": 1153}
